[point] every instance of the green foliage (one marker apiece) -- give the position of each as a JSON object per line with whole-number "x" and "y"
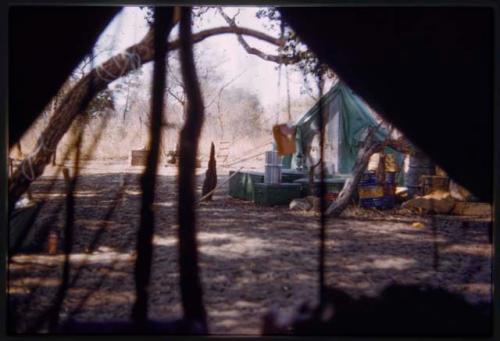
{"x": 148, "y": 14}
{"x": 294, "y": 49}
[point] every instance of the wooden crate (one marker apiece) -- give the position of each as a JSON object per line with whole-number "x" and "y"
{"x": 431, "y": 183}
{"x": 138, "y": 157}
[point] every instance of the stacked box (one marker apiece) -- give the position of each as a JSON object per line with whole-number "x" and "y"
{"x": 276, "y": 194}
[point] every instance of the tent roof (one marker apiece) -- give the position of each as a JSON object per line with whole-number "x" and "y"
{"x": 352, "y": 108}
{"x": 355, "y": 117}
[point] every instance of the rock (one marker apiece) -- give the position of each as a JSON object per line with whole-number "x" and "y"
{"x": 24, "y": 202}
{"x": 314, "y": 201}
{"x": 417, "y": 224}
{"x": 309, "y": 203}
{"x": 458, "y": 192}
{"x": 300, "y": 205}
{"x": 440, "y": 171}
{"x": 401, "y": 194}
{"x": 438, "y": 201}
{"x": 438, "y": 194}
{"x": 477, "y": 209}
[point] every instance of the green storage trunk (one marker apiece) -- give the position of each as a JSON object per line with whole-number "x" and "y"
{"x": 334, "y": 185}
{"x": 241, "y": 186}
{"x": 290, "y": 175}
{"x": 276, "y": 194}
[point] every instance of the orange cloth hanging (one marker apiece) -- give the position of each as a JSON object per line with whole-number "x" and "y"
{"x": 285, "y": 139}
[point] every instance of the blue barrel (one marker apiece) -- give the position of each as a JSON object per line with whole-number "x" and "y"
{"x": 368, "y": 179}
{"x": 390, "y": 178}
{"x": 379, "y": 202}
{"x": 384, "y": 203}
{"x": 389, "y": 201}
{"x": 373, "y": 194}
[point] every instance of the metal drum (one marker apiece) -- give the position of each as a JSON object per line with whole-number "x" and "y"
{"x": 368, "y": 178}
{"x": 390, "y": 184}
{"x": 374, "y": 194}
{"x": 390, "y": 178}
{"x": 272, "y": 168}
{"x": 371, "y": 196}
{"x": 419, "y": 165}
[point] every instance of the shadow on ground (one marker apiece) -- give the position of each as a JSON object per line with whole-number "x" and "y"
{"x": 252, "y": 257}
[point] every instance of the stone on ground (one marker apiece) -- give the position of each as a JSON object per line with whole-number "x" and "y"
{"x": 458, "y": 192}
{"x": 300, "y": 205}
{"x": 438, "y": 201}
{"x": 477, "y": 209}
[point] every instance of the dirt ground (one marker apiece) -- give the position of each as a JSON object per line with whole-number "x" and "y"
{"x": 252, "y": 258}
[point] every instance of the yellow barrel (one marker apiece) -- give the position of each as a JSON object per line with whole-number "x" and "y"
{"x": 366, "y": 192}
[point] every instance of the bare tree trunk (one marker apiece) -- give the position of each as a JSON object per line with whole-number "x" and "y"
{"x": 190, "y": 283}
{"x": 368, "y": 148}
{"x": 142, "y": 271}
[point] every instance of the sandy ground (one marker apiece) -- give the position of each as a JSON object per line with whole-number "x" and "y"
{"x": 252, "y": 258}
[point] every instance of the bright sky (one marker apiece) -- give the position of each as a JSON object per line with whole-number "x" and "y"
{"x": 261, "y": 77}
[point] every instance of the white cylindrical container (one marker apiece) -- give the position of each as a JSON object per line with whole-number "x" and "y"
{"x": 272, "y": 168}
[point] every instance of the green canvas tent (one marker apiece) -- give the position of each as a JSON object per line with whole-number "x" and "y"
{"x": 347, "y": 119}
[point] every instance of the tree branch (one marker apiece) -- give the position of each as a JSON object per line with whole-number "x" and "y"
{"x": 280, "y": 59}
{"x": 233, "y": 29}
{"x": 178, "y": 98}
{"x": 79, "y": 96}
{"x": 190, "y": 283}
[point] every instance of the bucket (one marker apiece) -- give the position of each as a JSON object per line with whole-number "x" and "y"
{"x": 272, "y": 168}
{"x": 272, "y": 174}
{"x": 272, "y": 158}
